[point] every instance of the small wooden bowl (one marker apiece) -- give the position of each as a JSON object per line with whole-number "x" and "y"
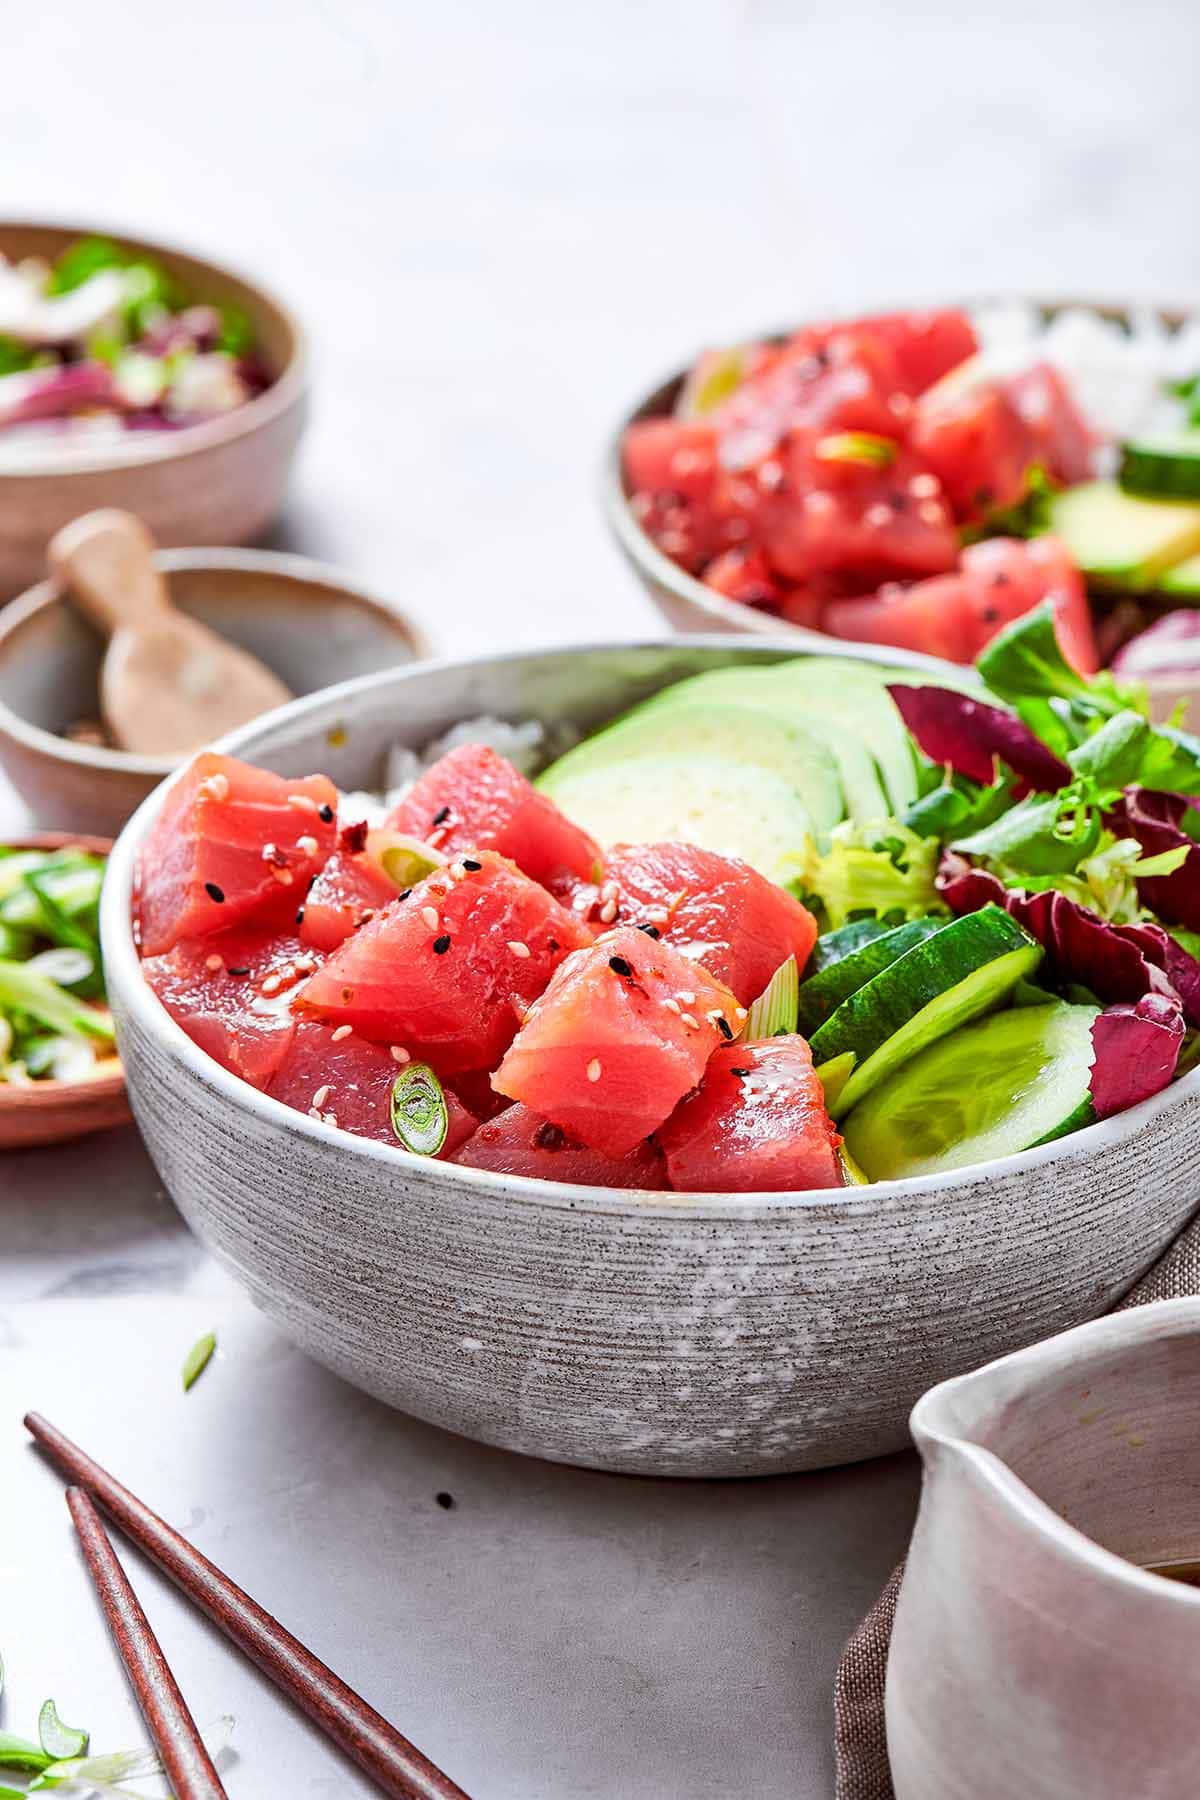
{"x": 220, "y": 482}
{"x": 52, "y": 1112}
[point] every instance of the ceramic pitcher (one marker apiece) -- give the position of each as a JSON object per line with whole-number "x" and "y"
{"x": 1032, "y": 1658}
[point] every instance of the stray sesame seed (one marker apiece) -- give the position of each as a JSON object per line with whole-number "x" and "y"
{"x": 468, "y": 862}
{"x": 659, "y": 918}
{"x": 299, "y": 915}
{"x": 686, "y": 997}
{"x": 214, "y": 892}
{"x": 342, "y": 1033}
{"x": 237, "y": 971}
{"x": 441, "y": 944}
{"x": 214, "y": 961}
{"x": 309, "y": 845}
{"x": 740, "y": 1012}
{"x": 723, "y": 1026}
{"x": 321, "y": 1096}
{"x": 519, "y": 949}
{"x": 331, "y": 1118}
{"x": 271, "y": 985}
{"x": 690, "y": 1019}
{"x": 326, "y": 813}
{"x": 593, "y": 1069}
{"x": 270, "y": 852}
{"x": 400, "y": 1054}
{"x": 302, "y": 802}
{"x": 608, "y": 912}
{"x": 430, "y": 916}
{"x": 671, "y": 1005}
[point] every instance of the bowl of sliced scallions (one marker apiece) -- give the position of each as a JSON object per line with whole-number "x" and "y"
{"x": 59, "y": 1073}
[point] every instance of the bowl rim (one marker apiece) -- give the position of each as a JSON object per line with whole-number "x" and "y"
{"x": 40, "y": 1094}
{"x": 288, "y": 388}
{"x": 284, "y": 563}
{"x": 124, "y": 974}
{"x": 734, "y": 615}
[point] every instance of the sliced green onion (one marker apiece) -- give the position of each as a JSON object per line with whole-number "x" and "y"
{"x": 58, "y": 1739}
{"x": 66, "y": 964}
{"x": 123, "y": 1765}
{"x": 865, "y": 447}
{"x": 21, "y": 991}
{"x": 19, "y": 1753}
{"x": 778, "y": 1006}
{"x": 419, "y": 1115}
{"x": 198, "y": 1358}
{"x": 405, "y": 860}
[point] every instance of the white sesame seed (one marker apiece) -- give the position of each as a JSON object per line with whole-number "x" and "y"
{"x": 671, "y": 1005}
{"x": 342, "y": 1033}
{"x": 271, "y": 985}
{"x": 314, "y": 1112}
{"x": 610, "y": 891}
{"x": 400, "y": 1054}
{"x": 879, "y": 514}
{"x": 321, "y": 1096}
{"x": 302, "y": 802}
{"x": 689, "y": 1019}
{"x": 331, "y": 1118}
{"x": 923, "y": 487}
{"x": 518, "y": 949}
{"x": 214, "y": 961}
{"x": 216, "y": 787}
{"x": 309, "y": 845}
{"x": 818, "y": 502}
{"x": 686, "y": 997}
{"x": 593, "y": 1069}
{"x": 932, "y": 512}
{"x": 659, "y": 918}
{"x": 430, "y": 916}
{"x": 608, "y": 912}
{"x": 740, "y": 1012}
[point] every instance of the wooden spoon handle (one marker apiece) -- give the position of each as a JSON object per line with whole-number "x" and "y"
{"x": 105, "y": 561}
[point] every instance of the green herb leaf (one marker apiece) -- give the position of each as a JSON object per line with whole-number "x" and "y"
{"x": 775, "y": 1011}
{"x": 58, "y": 1739}
{"x": 960, "y": 805}
{"x": 198, "y": 1359}
{"x": 1040, "y": 836}
{"x": 237, "y": 331}
{"x": 419, "y": 1114}
{"x": 1024, "y": 661}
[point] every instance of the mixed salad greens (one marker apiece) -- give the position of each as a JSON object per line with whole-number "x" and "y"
{"x": 102, "y": 342}
{"x": 54, "y": 1024}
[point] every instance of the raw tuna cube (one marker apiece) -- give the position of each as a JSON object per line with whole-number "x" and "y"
{"x": 214, "y": 988}
{"x": 349, "y": 1081}
{"x": 758, "y": 1124}
{"x": 620, "y": 1036}
{"x": 348, "y": 892}
{"x": 521, "y": 1143}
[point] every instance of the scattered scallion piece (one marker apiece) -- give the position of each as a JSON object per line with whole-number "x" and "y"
{"x": 59, "y": 1740}
{"x": 775, "y": 1011}
{"x": 866, "y": 447}
{"x": 419, "y": 1116}
{"x": 198, "y": 1358}
{"x": 53, "y": 1025}
{"x": 405, "y": 860}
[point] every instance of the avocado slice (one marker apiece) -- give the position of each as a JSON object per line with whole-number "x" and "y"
{"x": 735, "y": 734}
{"x": 1183, "y": 579}
{"x": 1120, "y": 540}
{"x": 735, "y": 808}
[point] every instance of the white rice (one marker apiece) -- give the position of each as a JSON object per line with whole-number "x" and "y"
{"x": 528, "y": 746}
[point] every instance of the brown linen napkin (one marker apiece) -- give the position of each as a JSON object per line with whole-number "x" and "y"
{"x": 860, "y": 1739}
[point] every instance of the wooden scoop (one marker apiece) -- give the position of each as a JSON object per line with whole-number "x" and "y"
{"x": 167, "y": 684}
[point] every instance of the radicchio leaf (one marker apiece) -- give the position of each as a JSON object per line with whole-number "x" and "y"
{"x": 1118, "y": 963}
{"x": 1157, "y": 822}
{"x": 1171, "y": 646}
{"x": 970, "y": 735}
{"x": 1136, "y": 1049}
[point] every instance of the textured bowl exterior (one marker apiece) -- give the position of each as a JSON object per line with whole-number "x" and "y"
{"x": 1032, "y": 1654}
{"x": 656, "y": 1334}
{"x": 220, "y": 482}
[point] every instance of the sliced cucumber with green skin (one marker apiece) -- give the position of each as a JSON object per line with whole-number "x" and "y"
{"x": 834, "y": 945}
{"x": 823, "y": 993}
{"x": 733, "y": 808}
{"x": 767, "y": 689}
{"x": 967, "y": 968}
{"x": 1003, "y": 1084}
{"x": 736, "y": 734}
{"x": 1166, "y": 468}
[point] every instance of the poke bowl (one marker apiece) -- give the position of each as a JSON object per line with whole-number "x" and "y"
{"x": 679, "y": 1331}
{"x": 138, "y": 376}
{"x": 870, "y": 478}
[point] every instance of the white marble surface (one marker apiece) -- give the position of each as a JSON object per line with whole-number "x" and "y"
{"x": 500, "y": 223}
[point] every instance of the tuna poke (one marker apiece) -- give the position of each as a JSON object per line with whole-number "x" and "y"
{"x": 922, "y": 479}
{"x": 790, "y": 926}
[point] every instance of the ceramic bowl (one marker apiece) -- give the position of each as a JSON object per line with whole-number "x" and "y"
{"x": 657, "y": 1334}
{"x": 53, "y": 1112}
{"x": 219, "y": 482}
{"x": 309, "y": 624}
{"x": 684, "y": 599}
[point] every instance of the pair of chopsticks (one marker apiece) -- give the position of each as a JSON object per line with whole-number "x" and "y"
{"x": 397, "y": 1767}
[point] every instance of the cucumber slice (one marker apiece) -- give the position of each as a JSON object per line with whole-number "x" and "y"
{"x": 1011, "y": 1081}
{"x": 822, "y": 994}
{"x": 734, "y": 808}
{"x": 762, "y": 688}
{"x": 834, "y": 945}
{"x": 736, "y": 734}
{"x": 966, "y": 968}
{"x": 1119, "y": 540}
{"x": 1166, "y": 468}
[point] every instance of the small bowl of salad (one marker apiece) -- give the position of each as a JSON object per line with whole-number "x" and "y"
{"x": 59, "y": 1072}
{"x": 138, "y": 376}
{"x": 675, "y": 1056}
{"x": 919, "y": 479}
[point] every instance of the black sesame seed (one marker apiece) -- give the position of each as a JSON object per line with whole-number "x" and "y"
{"x": 406, "y": 893}
{"x": 470, "y": 863}
{"x": 445, "y": 1501}
{"x": 326, "y": 813}
{"x": 619, "y": 966}
{"x": 552, "y": 944}
{"x": 214, "y": 892}
{"x": 237, "y": 971}
{"x": 440, "y": 816}
{"x": 441, "y": 944}
{"x": 549, "y": 1137}
{"x": 651, "y": 931}
{"x": 723, "y": 1027}
{"x": 299, "y": 915}
{"x": 739, "y": 1072}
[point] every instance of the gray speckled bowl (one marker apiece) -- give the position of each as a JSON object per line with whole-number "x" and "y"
{"x": 652, "y": 1334}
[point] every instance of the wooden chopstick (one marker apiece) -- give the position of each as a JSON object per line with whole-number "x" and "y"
{"x": 171, "y": 1725}
{"x": 397, "y": 1767}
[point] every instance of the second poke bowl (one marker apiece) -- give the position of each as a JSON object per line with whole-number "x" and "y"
{"x": 649, "y": 1324}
